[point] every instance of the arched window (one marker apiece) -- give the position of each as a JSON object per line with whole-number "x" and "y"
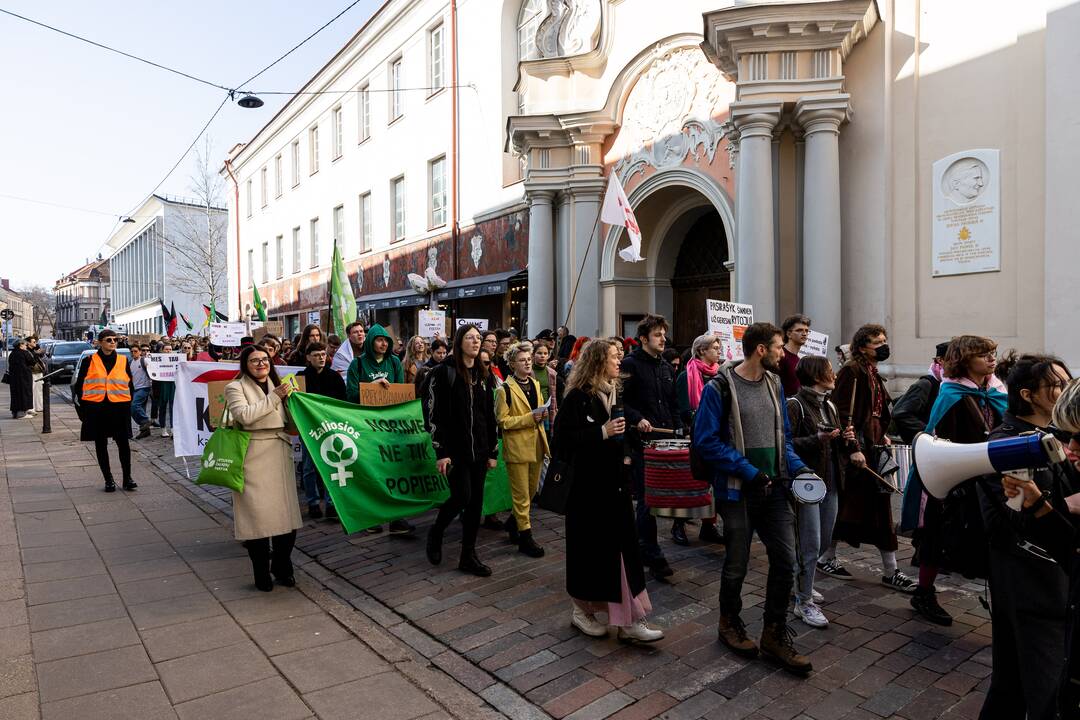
{"x": 532, "y": 12}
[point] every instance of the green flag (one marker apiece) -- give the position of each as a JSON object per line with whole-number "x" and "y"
{"x": 377, "y": 462}
{"x": 260, "y": 306}
{"x": 342, "y": 302}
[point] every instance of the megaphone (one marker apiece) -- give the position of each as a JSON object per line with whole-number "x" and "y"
{"x": 942, "y": 465}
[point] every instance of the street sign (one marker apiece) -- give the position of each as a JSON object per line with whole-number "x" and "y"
{"x": 7, "y": 314}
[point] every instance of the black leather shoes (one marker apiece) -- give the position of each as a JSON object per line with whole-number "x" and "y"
{"x": 110, "y": 485}
{"x": 130, "y": 484}
{"x": 471, "y": 564}
{"x": 678, "y": 533}
{"x": 528, "y": 546}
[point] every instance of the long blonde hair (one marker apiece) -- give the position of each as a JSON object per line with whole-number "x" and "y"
{"x": 588, "y": 371}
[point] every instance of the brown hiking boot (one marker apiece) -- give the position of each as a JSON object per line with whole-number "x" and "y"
{"x": 777, "y": 645}
{"x": 732, "y": 632}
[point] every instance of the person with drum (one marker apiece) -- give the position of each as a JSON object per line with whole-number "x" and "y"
{"x": 603, "y": 562}
{"x": 741, "y": 434}
{"x": 703, "y": 365}
{"x": 820, "y": 442}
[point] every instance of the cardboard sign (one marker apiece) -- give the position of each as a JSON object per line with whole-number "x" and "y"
{"x": 215, "y": 394}
{"x": 270, "y": 327}
{"x": 432, "y": 323}
{"x": 162, "y": 366}
{"x": 729, "y": 320}
{"x": 816, "y": 344}
{"x": 375, "y": 395}
{"x": 227, "y": 334}
{"x": 481, "y": 325}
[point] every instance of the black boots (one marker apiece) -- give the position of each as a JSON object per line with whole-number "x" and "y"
{"x": 471, "y": 564}
{"x": 130, "y": 484}
{"x": 281, "y": 559}
{"x": 678, "y": 533}
{"x": 511, "y": 528}
{"x": 924, "y": 601}
{"x": 528, "y": 546}
{"x": 110, "y": 484}
{"x": 434, "y": 545}
{"x": 259, "y": 552}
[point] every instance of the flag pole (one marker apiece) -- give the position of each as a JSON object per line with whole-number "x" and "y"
{"x": 581, "y": 270}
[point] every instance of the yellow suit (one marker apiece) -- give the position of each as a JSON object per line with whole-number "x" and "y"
{"x": 524, "y": 446}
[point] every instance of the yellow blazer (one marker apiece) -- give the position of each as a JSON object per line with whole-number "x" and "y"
{"x": 523, "y": 437}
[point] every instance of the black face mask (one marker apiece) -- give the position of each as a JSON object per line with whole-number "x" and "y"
{"x": 881, "y": 353}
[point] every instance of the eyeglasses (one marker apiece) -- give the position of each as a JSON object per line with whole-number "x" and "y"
{"x": 258, "y": 361}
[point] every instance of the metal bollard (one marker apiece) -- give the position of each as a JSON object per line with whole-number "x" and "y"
{"x": 46, "y": 419}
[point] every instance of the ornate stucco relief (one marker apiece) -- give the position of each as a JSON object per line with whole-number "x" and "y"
{"x": 572, "y": 27}
{"x": 670, "y": 113}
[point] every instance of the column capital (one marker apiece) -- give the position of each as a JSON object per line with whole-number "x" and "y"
{"x": 755, "y": 118}
{"x": 539, "y": 196}
{"x": 823, "y": 113}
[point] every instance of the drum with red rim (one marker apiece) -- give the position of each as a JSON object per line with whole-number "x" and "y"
{"x": 670, "y": 487}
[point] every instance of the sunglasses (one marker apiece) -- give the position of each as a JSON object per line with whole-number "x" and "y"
{"x": 109, "y": 339}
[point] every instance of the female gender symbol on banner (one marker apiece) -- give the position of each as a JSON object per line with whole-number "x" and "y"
{"x": 339, "y": 452}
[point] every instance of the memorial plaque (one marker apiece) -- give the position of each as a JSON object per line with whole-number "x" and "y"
{"x": 966, "y": 213}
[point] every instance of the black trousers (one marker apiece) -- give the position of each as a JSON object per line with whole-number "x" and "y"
{"x": 101, "y": 447}
{"x": 1029, "y": 599}
{"x": 466, "y": 497}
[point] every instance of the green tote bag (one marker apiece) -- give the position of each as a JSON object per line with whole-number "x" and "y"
{"x": 223, "y": 457}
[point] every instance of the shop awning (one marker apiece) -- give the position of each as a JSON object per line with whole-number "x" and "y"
{"x": 391, "y": 300}
{"x": 494, "y": 284}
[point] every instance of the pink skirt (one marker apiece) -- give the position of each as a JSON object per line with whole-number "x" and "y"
{"x": 627, "y": 611}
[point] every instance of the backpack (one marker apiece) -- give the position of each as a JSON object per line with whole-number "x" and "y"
{"x": 698, "y": 467}
{"x": 425, "y": 392}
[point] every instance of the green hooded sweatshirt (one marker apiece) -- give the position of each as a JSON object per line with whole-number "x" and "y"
{"x": 366, "y": 368}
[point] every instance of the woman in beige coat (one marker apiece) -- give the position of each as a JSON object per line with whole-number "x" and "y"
{"x": 267, "y": 514}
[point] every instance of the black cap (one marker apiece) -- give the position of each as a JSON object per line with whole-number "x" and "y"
{"x": 545, "y": 335}
{"x": 940, "y": 349}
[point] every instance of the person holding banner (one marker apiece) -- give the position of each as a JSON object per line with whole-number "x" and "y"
{"x": 520, "y": 414}
{"x": 266, "y": 514}
{"x": 603, "y": 562}
{"x": 318, "y": 380}
{"x": 463, "y": 434}
{"x": 166, "y": 393}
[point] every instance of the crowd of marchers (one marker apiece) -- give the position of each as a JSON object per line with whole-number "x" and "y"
{"x": 756, "y": 427}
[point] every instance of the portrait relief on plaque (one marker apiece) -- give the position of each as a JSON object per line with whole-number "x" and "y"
{"x": 966, "y": 213}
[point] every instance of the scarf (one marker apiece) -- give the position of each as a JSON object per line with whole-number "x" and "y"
{"x": 935, "y": 370}
{"x": 606, "y": 392}
{"x": 953, "y": 390}
{"x": 696, "y": 373}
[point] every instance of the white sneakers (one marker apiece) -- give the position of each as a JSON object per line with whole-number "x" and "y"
{"x": 816, "y": 596}
{"x": 587, "y": 623}
{"x": 811, "y": 614}
{"x": 165, "y": 432}
{"x": 640, "y": 632}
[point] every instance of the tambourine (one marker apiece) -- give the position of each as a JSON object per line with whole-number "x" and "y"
{"x": 808, "y": 489}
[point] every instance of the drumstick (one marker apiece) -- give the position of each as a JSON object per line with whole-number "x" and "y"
{"x": 883, "y": 480}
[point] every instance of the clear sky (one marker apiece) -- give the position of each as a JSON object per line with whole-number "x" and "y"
{"x": 90, "y": 129}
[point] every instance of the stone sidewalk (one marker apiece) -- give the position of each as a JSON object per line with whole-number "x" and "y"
{"x": 140, "y": 605}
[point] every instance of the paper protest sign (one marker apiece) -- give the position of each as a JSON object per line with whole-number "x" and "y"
{"x": 481, "y": 325}
{"x": 816, "y": 344}
{"x": 729, "y": 320}
{"x": 162, "y": 366}
{"x": 432, "y": 323}
{"x": 227, "y": 334}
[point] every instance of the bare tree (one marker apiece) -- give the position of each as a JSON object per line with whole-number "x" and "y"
{"x": 44, "y": 303}
{"x": 195, "y": 244}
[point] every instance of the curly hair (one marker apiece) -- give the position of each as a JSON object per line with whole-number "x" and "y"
{"x": 588, "y": 370}
{"x": 865, "y": 335}
{"x": 961, "y": 351}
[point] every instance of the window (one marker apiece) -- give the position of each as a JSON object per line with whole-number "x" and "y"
{"x": 437, "y": 190}
{"x": 365, "y": 222}
{"x": 364, "y": 113}
{"x": 339, "y": 228}
{"x": 296, "y": 249}
{"x": 279, "y": 256}
{"x": 277, "y": 176}
{"x": 336, "y": 131}
{"x": 532, "y": 13}
{"x": 397, "y": 106}
{"x": 263, "y": 188}
{"x": 295, "y": 163}
{"x": 250, "y": 209}
{"x": 315, "y": 242}
{"x": 265, "y": 261}
{"x": 313, "y": 149}
{"x": 435, "y": 58}
{"x": 397, "y": 210}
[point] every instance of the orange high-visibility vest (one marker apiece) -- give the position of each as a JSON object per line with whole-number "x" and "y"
{"x": 99, "y": 385}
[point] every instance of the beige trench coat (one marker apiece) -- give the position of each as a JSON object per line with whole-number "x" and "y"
{"x": 268, "y": 506}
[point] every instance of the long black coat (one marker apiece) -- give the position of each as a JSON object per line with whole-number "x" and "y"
{"x": 102, "y": 419}
{"x": 599, "y": 513}
{"x": 22, "y": 380}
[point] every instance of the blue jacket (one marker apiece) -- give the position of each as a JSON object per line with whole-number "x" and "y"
{"x": 718, "y": 442}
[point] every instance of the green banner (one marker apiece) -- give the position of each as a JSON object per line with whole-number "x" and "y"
{"x": 377, "y": 462}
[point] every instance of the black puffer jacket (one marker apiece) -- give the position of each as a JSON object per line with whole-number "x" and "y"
{"x": 649, "y": 391}
{"x": 461, "y": 415}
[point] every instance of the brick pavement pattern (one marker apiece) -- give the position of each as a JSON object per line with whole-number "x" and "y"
{"x": 507, "y": 639}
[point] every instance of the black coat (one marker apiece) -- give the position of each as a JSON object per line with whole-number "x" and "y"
{"x": 912, "y": 411}
{"x": 102, "y": 419}
{"x": 599, "y": 513}
{"x": 326, "y": 383}
{"x": 20, "y": 363}
{"x": 649, "y": 391}
{"x": 462, "y": 421}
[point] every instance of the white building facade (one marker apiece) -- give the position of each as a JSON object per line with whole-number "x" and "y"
{"x": 900, "y": 162}
{"x": 173, "y": 252}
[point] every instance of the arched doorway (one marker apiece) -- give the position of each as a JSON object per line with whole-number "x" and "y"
{"x": 700, "y": 274}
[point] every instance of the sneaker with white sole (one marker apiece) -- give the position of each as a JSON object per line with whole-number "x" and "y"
{"x": 833, "y": 568}
{"x": 587, "y": 623}
{"x": 640, "y": 632}
{"x": 811, "y": 614}
{"x": 165, "y": 432}
{"x": 816, "y": 596}
{"x": 899, "y": 581}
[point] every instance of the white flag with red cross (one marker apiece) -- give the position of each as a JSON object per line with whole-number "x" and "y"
{"x": 617, "y": 211}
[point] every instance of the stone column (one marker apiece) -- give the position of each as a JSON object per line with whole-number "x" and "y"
{"x": 755, "y": 250}
{"x": 541, "y": 262}
{"x": 820, "y": 119}
{"x": 585, "y": 258}
{"x": 564, "y": 266}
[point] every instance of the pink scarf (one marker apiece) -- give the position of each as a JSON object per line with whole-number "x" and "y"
{"x": 696, "y": 374}
{"x": 935, "y": 369}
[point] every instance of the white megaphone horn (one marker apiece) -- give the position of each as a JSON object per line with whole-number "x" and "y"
{"x": 943, "y": 465}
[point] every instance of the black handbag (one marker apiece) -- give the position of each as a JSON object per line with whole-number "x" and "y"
{"x": 6, "y": 379}
{"x": 558, "y": 482}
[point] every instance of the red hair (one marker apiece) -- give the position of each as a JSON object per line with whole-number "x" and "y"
{"x": 578, "y": 344}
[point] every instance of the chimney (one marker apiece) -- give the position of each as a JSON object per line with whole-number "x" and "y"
{"x": 4, "y": 283}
